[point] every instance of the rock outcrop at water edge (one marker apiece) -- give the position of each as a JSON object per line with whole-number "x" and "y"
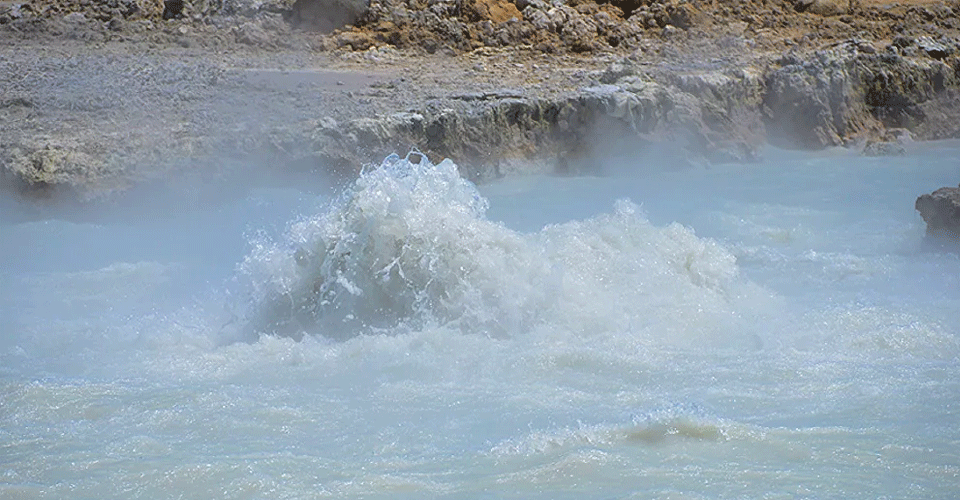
{"x": 498, "y": 133}
{"x": 850, "y": 91}
{"x": 842, "y": 96}
{"x": 941, "y": 211}
{"x": 701, "y": 111}
{"x": 706, "y": 81}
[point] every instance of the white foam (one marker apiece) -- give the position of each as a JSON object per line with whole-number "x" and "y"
{"x": 409, "y": 244}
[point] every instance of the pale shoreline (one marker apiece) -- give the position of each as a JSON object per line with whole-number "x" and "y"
{"x": 88, "y": 120}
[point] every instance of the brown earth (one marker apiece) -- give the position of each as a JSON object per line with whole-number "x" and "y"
{"x": 585, "y": 25}
{"x": 464, "y": 25}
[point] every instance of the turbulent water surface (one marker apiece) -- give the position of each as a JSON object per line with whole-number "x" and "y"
{"x": 774, "y": 330}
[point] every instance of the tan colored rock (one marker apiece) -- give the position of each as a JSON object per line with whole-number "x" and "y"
{"x": 52, "y": 163}
{"x": 356, "y": 40}
{"x": 497, "y": 11}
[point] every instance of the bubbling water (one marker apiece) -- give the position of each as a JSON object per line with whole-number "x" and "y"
{"x": 409, "y": 245}
{"x": 583, "y": 347}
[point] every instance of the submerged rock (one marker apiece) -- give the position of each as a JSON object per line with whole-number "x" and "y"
{"x": 891, "y": 144}
{"x": 883, "y": 148}
{"x": 941, "y": 211}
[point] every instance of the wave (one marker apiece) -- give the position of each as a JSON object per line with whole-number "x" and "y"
{"x": 409, "y": 244}
{"x": 661, "y": 426}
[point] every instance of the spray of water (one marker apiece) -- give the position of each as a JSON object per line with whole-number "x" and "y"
{"x": 409, "y": 244}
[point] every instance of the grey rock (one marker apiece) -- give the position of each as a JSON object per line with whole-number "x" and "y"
{"x": 494, "y": 133}
{"x": 823, "y": 7}
{"x": 328, "y": 15}
{"x": 75, "y": 18}
{"x": 933, "y": 48}
{"x": 883, "y": 148}
{"x": 13, "y": 11}
{"x": 811, "y": 103}
{"x": 893, "y": 143}
{"x": 199, "y": 9}
{"x": 579, "y": 32}
{"x": 941, "y": 211}
{"x": 252, "y": 33}
{"x": 841, "y": 94}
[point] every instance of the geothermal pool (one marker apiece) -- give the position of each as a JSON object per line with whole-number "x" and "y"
{"x": 772, "y": 330}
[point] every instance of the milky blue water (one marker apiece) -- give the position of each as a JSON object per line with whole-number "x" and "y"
{"x": 772, "y": 330}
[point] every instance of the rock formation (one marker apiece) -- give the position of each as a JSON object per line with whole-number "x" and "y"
{"x": 941, "y": 211}
{"x": 493, "y": 134}
{"x": 327, "y": 15}
{"x": 839, "y": 96}
{"x": 711, "y": 79}
{"x": 850, "y": 91}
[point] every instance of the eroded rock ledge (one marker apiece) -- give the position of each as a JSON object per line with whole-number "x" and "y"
{"x": 842, "y": 96}
{"x": 849, "y": 94}
{"x": 152, "y": 89}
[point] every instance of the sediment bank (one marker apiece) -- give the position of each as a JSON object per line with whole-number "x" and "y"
{"x": 90, "y": 109}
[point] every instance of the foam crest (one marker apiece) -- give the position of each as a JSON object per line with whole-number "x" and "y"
{"x": 410, "y": 244}
{"x": 408, "y": 241}
{"x": 660, "y": 427}
{"x": 622, "y": 274}
{"x": 861, "y": 330}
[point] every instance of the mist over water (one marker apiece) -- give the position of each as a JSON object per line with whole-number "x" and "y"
{"x": 767, "y": 330}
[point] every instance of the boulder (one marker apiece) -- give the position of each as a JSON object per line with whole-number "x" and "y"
{"x": 941, "y": 211}
{"x": 252, "y": 33}
{"x": 497, "y": 11}
{"x": 328, "y": 15}
{"x": 934, "y": 48}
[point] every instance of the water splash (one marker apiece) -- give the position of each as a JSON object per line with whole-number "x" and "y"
{"x": 409, "y": 244}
